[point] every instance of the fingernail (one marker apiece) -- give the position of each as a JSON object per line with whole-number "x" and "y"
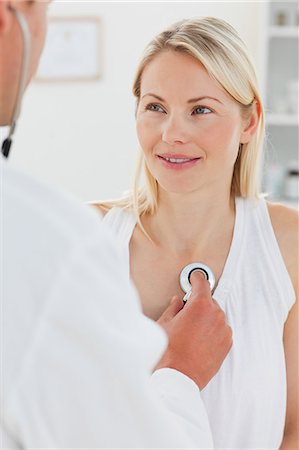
{"x": 200, "y": 272}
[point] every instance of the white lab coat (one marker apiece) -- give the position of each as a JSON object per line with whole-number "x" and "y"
{"x": 76, "y": 351}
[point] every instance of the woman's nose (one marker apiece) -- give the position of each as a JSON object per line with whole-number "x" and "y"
{"x": 175, "y": 130}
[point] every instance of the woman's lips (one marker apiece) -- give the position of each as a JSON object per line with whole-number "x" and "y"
{"x": 177, "y": 162}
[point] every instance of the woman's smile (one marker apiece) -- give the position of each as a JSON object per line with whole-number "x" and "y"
{"x": 178, "y": 161}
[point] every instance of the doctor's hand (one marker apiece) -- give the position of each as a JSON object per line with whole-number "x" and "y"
{"x": 199, "y": 337}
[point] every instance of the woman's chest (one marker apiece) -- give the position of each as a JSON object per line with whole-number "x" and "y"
{"x": 157, "y": 280}
{"x": 156, "y": 275}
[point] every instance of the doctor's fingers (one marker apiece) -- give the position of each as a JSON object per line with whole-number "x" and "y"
{"x": 201, "y": 302}
{"x": 174, "y": 307}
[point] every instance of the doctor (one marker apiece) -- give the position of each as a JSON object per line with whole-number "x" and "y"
{"x": 77, "y": 355}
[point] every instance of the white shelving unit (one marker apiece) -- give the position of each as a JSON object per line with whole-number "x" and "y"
{"x": 276, "y": 119}
{"x": 280, "y": 88}
{"x": 283, "y": 31}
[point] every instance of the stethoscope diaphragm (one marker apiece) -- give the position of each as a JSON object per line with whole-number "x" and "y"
{"x": 186, "y": 273}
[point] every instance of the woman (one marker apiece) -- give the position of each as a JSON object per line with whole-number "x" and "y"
{"x": 200, "y": 124}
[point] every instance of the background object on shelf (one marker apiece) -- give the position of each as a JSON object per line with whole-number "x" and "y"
{"x": 281, "y": 18}
{"x": 292, "y": 89}
{"x": 284, "y": 13}
{"x": 291, "y": 184}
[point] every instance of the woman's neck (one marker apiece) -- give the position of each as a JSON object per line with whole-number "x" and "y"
{"x": 190, "y": 223}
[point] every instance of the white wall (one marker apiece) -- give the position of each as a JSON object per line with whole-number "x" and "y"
{"x": 81, "y": 136}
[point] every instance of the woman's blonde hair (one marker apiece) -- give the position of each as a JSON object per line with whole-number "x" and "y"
{"x": 219, "y": 48}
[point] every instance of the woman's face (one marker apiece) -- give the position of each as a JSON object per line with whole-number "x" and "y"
{"x": 188, "y": 126}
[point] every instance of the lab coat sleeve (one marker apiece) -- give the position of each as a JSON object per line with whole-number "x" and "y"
{"x": 86, "y": 378}
{"x": 182, "y": 397}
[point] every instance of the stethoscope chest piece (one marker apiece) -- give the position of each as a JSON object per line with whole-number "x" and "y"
{"x": 186, "y": 273}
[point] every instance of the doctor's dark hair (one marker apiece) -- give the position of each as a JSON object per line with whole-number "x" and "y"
{"x": 219, "y": 48}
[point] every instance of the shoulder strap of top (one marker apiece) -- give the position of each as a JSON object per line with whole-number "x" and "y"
{"x": 120, "y": 222}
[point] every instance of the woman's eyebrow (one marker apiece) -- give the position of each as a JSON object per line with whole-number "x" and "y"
{"x": 198, "y": 99}
{"x": 153, "y": 95}
{"x": 192, "y": 100}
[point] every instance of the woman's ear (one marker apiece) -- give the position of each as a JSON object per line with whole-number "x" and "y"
{"x": 5, "y": 17}
{"x": 251, "y": 124}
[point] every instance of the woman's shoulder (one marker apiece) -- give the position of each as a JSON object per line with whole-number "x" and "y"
{"x": 284, "y": 220}
{"x": 117, "y": 215}
{"x": 285, "y": 223}
{"x": 102, "y": 208}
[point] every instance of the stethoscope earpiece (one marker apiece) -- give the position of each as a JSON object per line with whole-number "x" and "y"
{"x": 186, "y": 274}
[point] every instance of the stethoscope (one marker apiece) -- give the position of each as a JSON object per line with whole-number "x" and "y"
{"x": 6, "y": 145}
{"x": 186, "y": 274}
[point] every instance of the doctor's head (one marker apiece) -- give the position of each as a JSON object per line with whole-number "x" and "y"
{"x": 223, "y": 63}
{"x": 11, "y": 48}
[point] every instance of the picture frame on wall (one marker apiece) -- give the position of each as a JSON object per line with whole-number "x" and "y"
{"x": 73, "y": 50}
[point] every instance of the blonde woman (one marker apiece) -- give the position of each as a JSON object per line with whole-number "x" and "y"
{"x": 200, "y": 124}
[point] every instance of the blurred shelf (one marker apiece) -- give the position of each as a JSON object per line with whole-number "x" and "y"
{"x": 282, "y": 119}
{"x": 284, "y": 32}
{"x": 280, "y": 78}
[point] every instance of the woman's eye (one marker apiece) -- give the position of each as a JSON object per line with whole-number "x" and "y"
{"x": 154, "y": 107}
{"x": 201, "y": 110}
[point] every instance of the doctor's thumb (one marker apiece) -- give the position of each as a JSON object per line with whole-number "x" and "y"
{"x": 200, "y": 285}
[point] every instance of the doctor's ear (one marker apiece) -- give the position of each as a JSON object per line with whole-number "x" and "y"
{"x": 6, "y": 17}
{"x": 251, "y": 123}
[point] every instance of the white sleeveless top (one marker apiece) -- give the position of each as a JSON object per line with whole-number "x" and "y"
{"x": 246, "y": 400}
